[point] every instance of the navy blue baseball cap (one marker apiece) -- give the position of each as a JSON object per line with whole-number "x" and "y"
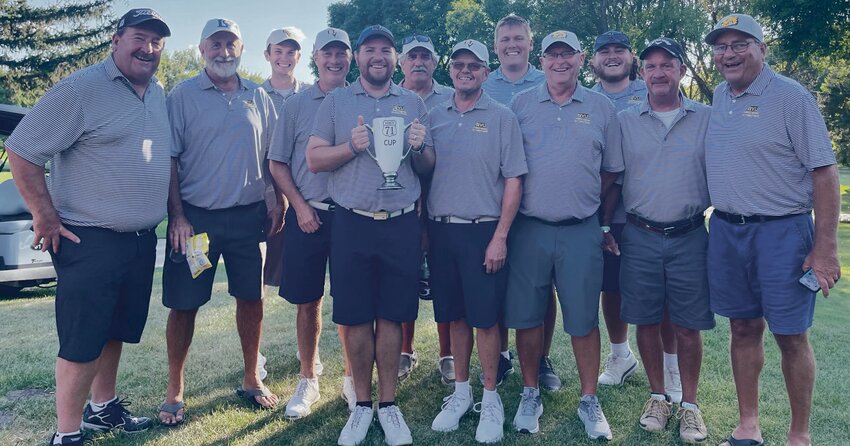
{"x": 137, "y": 16}
{"x": 372, "y": 31}
{"x": 666, "y": 44}
{"x": 612, "y": 36}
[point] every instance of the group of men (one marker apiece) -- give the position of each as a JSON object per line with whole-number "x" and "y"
{"x": 577, "y": 190}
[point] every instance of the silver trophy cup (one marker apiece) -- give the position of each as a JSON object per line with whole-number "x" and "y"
{"x": 388, "y": 134}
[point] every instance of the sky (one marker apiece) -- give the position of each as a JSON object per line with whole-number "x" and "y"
{"x": 256, "y": 18}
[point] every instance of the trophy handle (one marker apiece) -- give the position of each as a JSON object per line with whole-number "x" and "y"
{"x": 373, "y": 156}
{"x": 410, "y": 146}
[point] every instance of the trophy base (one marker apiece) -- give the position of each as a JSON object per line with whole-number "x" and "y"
{"x": 391, "y": 186}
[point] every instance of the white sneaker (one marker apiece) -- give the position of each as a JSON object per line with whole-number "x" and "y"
{"x": 396, "y": 432}
{"x": 673, "y": 384}
{"x": 318, "y": 368}
{"x": 348, "y": 393}
{"x": 261, "y": 366}
{"x": 306, "y": 393}
{"x": 595, "y": 424}
{"x": 454, "y": 407}
{"x": 618, "y": 369}
{"x": 356, "y": 427}
{"x": 528, "y": 413}
{"x": 490, "y": 425}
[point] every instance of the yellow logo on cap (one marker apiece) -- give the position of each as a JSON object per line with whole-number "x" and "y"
{"x": 729, "y": 21}
{"x": 558, "y": 34}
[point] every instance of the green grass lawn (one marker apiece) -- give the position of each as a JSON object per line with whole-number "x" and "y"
{"x": 28, "y": 347}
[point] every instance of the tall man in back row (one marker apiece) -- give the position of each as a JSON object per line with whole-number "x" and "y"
{"x": 104, "y": 128}
{"x": 375, "y": 253}
{"x": 769, "y": 161}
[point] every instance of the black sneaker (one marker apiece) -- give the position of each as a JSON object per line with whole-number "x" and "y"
{"x": 72, "y": 440}
{"x": 114, "y": 416}
{"x": 506, "y": 367}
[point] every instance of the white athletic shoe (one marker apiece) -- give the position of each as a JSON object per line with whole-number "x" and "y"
{"x": 618, "y": 369}
{"x": 356, "y": 427}
{"x": 528, "y": 413}
{"x": 396, "y": 432}
{"x": 673, "y": 384}
{"x": 318, "y": 368}
{"x": 454, "y": 407}
{"x": 348, "y": 393}
{"x": 490, "y": 425}
{"x": 595, "y": 424}
{"x": 306, "y": 393}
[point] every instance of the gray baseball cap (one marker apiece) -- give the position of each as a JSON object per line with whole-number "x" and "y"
{"x": 475, "y": 47}
{"x": 562, "y": 36}
{"x": 329, "y": 35}
{"x": 738, "y": 22}
{"x": 417, "y": 41}
{"x": 215, "y": 25}
{"x": 279, "y": 36}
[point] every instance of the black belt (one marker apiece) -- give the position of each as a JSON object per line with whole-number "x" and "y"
{"x": 672, "y": 229}
{"x": 744, "y": 219}
{"x": 567, "y": 222}
{"x": 142, "y": 232}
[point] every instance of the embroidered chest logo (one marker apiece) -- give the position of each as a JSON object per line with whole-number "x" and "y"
{"x": 480, "y": 127}
{"x": 399, "y": 110}
{"x": 752, "y": 111}
{"x": 583, "y": 118}
{"x": 249, "y": 104}
{"x": 634, "y": 99}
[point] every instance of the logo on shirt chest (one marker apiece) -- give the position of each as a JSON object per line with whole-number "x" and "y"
{"x": 583, "y": 118}
{"x": 480, "y": 127}
{"x": 399, "y": 110}
{"x": 249, "y": 104}
{"x": 634, "y": 100}
{"x": 751, "y": 111}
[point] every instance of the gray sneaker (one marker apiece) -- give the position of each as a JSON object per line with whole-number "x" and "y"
{"x": 446, "y": 367}
{"x": 547, "y": 377}
{"x": 528, "y": 413}
{"x": 595, "y": 424}
{"x": 406, "y": 364}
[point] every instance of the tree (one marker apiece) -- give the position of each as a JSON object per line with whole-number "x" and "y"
{"x": 40, "y": 45}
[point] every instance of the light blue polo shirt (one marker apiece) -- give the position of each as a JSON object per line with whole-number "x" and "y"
{"x": 503, "y": 90}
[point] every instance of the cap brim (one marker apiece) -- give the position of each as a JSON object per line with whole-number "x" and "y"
{"x": 152, "y": 23}
{"x": 418, "y": 45}
{"x": 653, "y": 47}
{"x": 711, "y": 37}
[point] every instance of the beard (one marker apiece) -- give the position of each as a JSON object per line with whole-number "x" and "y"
{"x": 377, "y": 81}
{"x": 224, "y": 67}
{"x": 599, "y": 71}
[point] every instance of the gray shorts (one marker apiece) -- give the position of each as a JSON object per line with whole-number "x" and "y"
{"x": 658, "y": 270}
{"x": 571, "y": 256}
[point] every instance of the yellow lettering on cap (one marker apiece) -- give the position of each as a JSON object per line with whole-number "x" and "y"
{"x": 559, "y": 34}
{"x": 729, "y": 21}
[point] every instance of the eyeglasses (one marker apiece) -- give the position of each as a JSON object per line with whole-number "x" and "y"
{"x": 418, "y": 38}
{"x": 738, "y": 47}
{"x": 472, "y": 66}
{"x": 562, "y": 55}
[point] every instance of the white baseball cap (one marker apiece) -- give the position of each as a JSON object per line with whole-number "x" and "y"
{"x": 215, "y": 25}
{"x": 279, "y": 36}
{"x": 475, "y": 47}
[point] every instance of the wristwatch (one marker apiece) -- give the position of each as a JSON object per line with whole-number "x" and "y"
{"x": 605, "y": 229}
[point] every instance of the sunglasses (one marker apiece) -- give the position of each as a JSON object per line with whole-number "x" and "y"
{"x": 419, "y": 38}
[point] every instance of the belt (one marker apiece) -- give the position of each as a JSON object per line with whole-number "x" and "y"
{"x": 454, "y": 219}
{"x": 321, "y": 205}
{"x": 668, "y": 229}
{"x": 384, "y": 215}
{"x": 744, "y": 219}
{"x": 567, "y": 222}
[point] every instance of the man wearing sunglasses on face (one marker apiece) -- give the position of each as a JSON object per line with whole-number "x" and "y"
{"x": 568, "y": 132}
{"x": 418, "y": 60}
{"x": 479, "y": 151}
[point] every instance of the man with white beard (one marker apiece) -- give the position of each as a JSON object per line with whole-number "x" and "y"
{"x": 221, "y": 126}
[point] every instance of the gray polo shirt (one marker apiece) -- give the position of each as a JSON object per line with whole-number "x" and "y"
{"x": 762, "y": 145}
{"x": 476, "y": 151}
{"x": 503, "y": 90}
{"x": 355, "y": 183}
{"x": 289, "y": 143}
{"x": 109, "y": 149}
{"x": 278, "y": 96}
{"x": 566, "y": 146}
{"x": 220, "y": 141}
{"x": 439, "y": 94}
{"x": 664, "y": 180}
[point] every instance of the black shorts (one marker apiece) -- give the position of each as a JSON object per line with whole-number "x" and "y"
{"x": 374, "y": 268}
{"x": 460, "y": 285}
{"x": 611, "y": 263}
{"x": 103, "y": 291}
{"x": 235, "y": 234}
{"x": 305, "y": 258}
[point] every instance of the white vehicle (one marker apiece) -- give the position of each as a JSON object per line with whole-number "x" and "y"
{"x": 20, "y": 264}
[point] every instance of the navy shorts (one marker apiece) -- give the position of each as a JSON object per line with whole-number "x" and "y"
{"x": 754, "y": 268}
{"x": 659, "y": 271}
{"x": 611, "y": 264}
{"x": 235, "y": 233}
{"x": 461, "y": 287}
{"x": 374, "y": 268}
{"x": 305, "y": 258}
{"x": 103, "y": 289}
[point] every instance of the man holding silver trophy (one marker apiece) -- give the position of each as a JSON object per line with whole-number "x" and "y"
{"x": 375, "y": 251}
